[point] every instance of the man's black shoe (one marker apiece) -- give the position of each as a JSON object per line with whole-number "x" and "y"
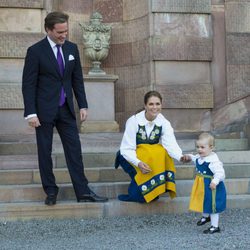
{"x": 203, "y": 221}
{"x": 50, "y": 200}
{"x": 92, "y": 197}
{"x": 212, "y": 230}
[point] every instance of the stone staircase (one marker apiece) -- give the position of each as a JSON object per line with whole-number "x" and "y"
{"x": 21, "y": 195}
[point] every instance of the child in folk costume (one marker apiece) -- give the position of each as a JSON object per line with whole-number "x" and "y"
{"x": 208, "y": 193}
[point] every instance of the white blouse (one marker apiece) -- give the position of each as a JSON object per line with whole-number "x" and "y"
{"x": 168, "y": 140}
{"x": 216, "y": 166}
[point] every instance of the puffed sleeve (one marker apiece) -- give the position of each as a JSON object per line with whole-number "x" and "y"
{"x": 219, "y": 173}
{"x": 128, "y": 144}
{"x": 169, "y": 142}
{"x": 193, "y": 157}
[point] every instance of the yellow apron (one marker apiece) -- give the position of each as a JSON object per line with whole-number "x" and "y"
{"x": 161, "y": 178}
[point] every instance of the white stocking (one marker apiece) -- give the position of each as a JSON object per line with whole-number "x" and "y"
{"x": 205, "y": 215}
{"x": 214, "y": 220}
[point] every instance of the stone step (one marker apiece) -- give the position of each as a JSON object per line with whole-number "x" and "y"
{"x": 101, "y": 159}
{"x": 30, "y": 161}
{"x": 109, "y": 174}
{"x": 34, "y": 192}
{"x": 112, "y": 208}
{"x": 101, "y": 142}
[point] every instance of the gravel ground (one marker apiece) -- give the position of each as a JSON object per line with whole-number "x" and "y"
{"x": 144, "y": 232}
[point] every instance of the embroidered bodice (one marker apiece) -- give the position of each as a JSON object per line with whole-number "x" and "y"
{"x": 153, "y": 138}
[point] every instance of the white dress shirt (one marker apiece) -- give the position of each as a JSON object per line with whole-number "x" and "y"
{"x": 168, "y": 140}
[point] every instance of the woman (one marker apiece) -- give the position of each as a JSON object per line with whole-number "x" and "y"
{"x": 147, "y": 151}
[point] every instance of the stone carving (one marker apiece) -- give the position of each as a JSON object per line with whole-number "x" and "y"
{"x": 96, "y": 40}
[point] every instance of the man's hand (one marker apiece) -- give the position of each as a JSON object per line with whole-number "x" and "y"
{"x": 83, "y": 114}
{"x": 144, "y": 167}
{"x": 34, "y": 122}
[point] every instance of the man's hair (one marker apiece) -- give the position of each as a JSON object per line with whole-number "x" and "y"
{"x": 208, "y": 137}
{"x": 53, "y": 18}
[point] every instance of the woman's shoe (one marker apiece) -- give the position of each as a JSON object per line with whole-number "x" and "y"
{"x": 203, "y": 221}
{"x": 212, "y": 230}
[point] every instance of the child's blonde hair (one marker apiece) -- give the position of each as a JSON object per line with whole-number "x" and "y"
{"x": 208, "y": 137}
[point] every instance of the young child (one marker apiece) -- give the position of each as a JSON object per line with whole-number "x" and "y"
{"x": 208, "y": 193}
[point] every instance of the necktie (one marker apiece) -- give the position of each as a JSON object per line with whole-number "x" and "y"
{"x": 61, "y": 68}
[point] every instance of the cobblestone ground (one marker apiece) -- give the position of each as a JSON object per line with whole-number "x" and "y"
{"x": 145, "y": 232}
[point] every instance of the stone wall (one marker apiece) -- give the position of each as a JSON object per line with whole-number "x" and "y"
{"x": 232, "y": 115}
{"x": 182, "y": 54}
{"x": 195, "y": 52}
{"x": 20, "y": 26}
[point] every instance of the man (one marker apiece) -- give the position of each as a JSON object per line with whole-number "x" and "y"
{"x": 51, "y": 71}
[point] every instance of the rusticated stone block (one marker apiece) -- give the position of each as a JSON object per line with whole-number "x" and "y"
{"x": 140, "y": 51}
{"x": 11, "y": 70}
{"x": 134, "y": 9}
{"x": 132, "y": 31}
{"x": 13, "y": 122}
{"x": 140, "y": 75}
{"x": 76, "y": 6}
{"x": 11, "y": 96}
{"x": 238, "y": 79}
{"x": 181, "y": 48}
{"x": 198, "y": 25}
{"x": 26, "y": 20}
{"x": 230, "y": 114}
{"x": 218, "y": 64}
{"x": 14, "y": 45}
{"x": 134, "y": 98}
{"x": 22, "y": 4}
{"x": 182, "y": 37}
{"x": 124, "y": 77}
{"x": 181, "y": 6}
{"x": 182, "y": 72}
{"x": 111, "y": 10}
{"x": 186, "y": 96}
{"x": 237, "y": 16}
{"x": 238, "y": 48}
{"x": 119, "y": 100}
{"x": 119, "y": 55}
{"x": 190, "y": 120}
{"x": 135, "y": 76}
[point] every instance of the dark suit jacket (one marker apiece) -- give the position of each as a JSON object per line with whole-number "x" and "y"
{"x": 41, "y": 84}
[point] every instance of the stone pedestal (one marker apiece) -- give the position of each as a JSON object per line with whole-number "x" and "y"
{"x": 100, "y": 95}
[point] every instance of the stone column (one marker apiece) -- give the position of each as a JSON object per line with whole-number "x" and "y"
{"x": 101, "y": 112}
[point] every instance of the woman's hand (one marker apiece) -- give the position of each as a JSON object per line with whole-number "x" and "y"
{"x": 185, "y": 158}
{"x": 144, "y": 167}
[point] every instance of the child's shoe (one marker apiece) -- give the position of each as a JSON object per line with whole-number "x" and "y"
{"x": 212, "y": 230}
{"x": 203, "y": 221}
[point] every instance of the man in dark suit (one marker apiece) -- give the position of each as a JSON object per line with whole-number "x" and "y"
{"x": 51, "y": 71}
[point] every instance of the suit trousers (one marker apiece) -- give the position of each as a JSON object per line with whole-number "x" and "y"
{"x": 66, "y": 126}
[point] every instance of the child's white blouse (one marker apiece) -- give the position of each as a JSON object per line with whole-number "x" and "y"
{"x": 168, "y": 140}
{"x": 215, "y": 165}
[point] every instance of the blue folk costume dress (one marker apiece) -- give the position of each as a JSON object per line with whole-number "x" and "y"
{"x": 148, "y": 149}
{"x": 203, "y": 199}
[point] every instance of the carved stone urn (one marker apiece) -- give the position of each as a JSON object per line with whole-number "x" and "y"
{"x": 96, "y": 40}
